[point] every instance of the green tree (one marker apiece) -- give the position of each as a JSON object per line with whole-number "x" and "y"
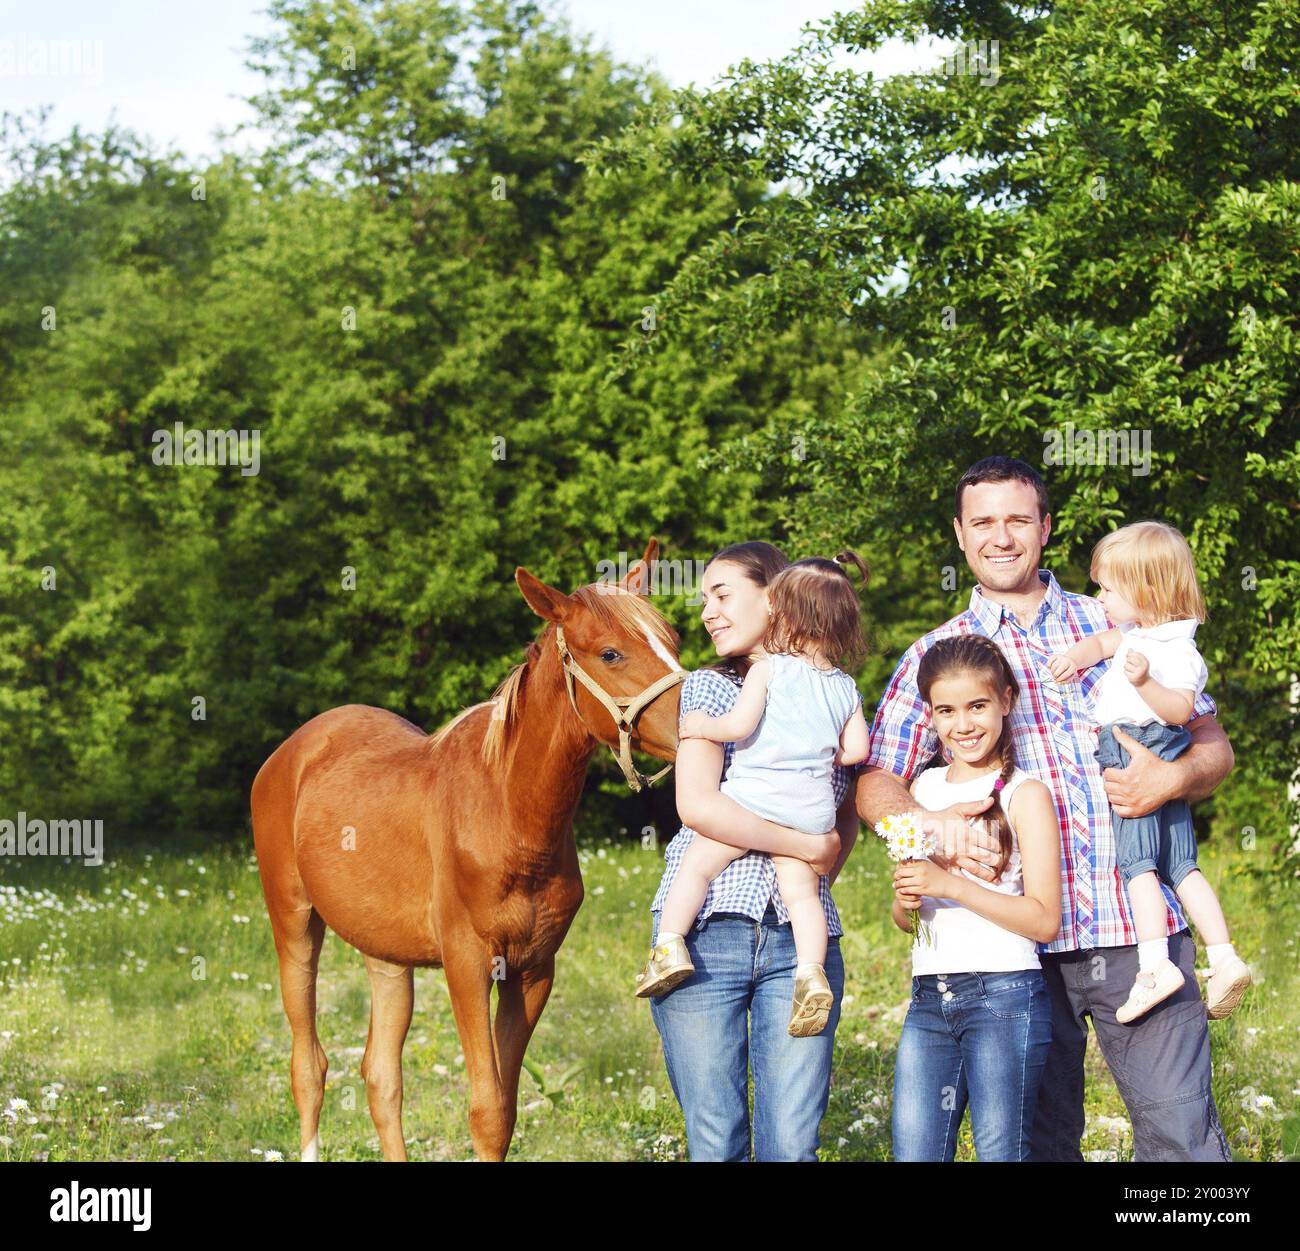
{"x": 413, "y": 296}
{"x": 1093, "y": 229}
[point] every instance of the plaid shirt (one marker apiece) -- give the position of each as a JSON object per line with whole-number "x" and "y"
{"x": 1055, "y": 741}
{"x": 746, "y": 884}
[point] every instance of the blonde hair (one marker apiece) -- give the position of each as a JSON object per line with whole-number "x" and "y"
{"x": 1151, "y": 565}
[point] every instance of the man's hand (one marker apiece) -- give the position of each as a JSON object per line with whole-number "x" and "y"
{"x": 961, "y": 842}
{"x": 1145, "y": 785}
{"x": 823, "y": 851}
{"x": 1061, "y": 667}
{"x": 1136, "y": 667}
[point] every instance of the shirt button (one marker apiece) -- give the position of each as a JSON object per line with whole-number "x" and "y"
{"x": 947, "y": 994}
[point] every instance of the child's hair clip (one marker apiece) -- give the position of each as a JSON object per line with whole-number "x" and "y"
{"x": 999, "y": 784}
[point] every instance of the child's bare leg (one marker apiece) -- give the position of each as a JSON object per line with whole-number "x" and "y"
{"x": 799, "y": 890}
{"x": 1203, "y": 907}
{"x": 1158, "y": 977}
{"x": 1147, "y": 901}
{"x": 703, "y": 861}
{"x": 1230, "y": 975}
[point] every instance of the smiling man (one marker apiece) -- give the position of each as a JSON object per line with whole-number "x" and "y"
{"x": 1161, "y": 1063}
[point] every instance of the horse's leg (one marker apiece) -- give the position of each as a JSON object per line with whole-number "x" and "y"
{"x": 299, "y": 935}
{"x": 392, "y": 997}
{"x": 520, "y": 1001}
{"x": 470, "y": 982}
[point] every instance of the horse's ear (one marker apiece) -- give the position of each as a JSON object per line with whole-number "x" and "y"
{"x": 545, "y": 601}
{"x": 638, "y": 577}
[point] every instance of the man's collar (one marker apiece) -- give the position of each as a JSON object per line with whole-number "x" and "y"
{"x": 989, "y": 613}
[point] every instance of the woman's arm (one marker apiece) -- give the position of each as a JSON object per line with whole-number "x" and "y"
{"x": 706, "y": 810}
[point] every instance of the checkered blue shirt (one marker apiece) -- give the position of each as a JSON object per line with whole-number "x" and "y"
{"x": 1055, "y": 741}
{"x": 746, "y": 884}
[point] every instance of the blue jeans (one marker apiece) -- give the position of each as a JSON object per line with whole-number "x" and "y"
{"x": 1164, "y": 841}
{"x": 732, "y": 1015}
{"x": 980, "y": 1038}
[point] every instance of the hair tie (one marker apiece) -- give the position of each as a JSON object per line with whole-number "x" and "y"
{"x": 999, "y": 784}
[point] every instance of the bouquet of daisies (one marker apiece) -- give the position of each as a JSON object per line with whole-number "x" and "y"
{"x": 905, "y": 839}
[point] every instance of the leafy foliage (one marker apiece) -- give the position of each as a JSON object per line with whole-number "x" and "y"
{"x": 1098, "y": 239}
{"x": 412, "y": 296}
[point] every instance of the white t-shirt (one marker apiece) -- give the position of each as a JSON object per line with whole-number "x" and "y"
{"x": 962, "y": 940}
{"x": 1170, "y": 651}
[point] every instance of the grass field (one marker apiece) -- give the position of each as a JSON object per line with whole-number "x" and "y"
{"x": 140, "y": 1019}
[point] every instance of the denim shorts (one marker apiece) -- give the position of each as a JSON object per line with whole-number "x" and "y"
{"x": 1164, "y": 841}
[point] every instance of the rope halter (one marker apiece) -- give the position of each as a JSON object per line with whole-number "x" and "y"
{"x": 623, "y": 708}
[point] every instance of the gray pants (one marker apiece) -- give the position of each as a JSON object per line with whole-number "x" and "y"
{"x": 1160, "y": 1062}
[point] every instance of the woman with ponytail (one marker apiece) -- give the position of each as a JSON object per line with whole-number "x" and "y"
{"x": 727, "y": 1024}
{"x": 980, "y": 1022}
{"x": 797, "y": 716}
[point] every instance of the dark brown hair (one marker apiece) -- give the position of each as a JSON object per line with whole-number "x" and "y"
{"x": 760, "y": 562}
{"x": 815, "y": 605}
{"x": 974, "y": 653}
{"x": 1002, "y": 469}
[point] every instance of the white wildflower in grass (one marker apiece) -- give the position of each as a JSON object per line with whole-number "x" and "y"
{"x": 906, "y": 839}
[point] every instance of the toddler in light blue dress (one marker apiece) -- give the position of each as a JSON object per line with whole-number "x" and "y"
{"x": 796, "y": 717}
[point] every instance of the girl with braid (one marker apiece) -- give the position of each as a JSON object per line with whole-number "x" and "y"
{"x": 979, "y": 1023}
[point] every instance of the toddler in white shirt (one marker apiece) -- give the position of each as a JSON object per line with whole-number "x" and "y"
{"x": 1147, "y": 582}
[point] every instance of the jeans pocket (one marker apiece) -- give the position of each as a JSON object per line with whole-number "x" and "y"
{"x": 1011, "y": 1000}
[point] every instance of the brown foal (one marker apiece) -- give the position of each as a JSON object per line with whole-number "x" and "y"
{"x": 456, "y": 849}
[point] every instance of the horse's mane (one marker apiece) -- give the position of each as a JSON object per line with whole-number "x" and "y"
{"x": 613, "y": 607}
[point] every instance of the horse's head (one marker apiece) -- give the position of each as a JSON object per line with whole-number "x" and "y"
{"x": 620, "y": 660}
